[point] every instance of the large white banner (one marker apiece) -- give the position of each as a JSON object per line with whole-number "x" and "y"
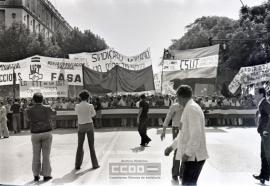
{"x": 105, "y": 60}
{"x": 47, "y": 88}
{"x": 39, "y": 68}
{"x": 250, "y": 75}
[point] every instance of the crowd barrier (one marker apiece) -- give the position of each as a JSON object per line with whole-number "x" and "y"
{"x": 113, "y": 117}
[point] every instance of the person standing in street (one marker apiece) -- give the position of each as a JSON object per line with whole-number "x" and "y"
{"x": 142, "y": 121}
{"x": 16, "y": 116}
{"x": 190, "y": 141}
{"x": 174, "y": 114}
{"x": 263, "y": 127}
{"x": 3, "y": 121}
{"x": 85, "y": 113}
{"x": 39, "y": 117}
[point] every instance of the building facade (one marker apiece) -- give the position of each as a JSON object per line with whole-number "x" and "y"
{"x": 40, "y": 16}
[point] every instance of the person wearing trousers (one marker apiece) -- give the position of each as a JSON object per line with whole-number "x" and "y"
{"x": 263, "y": 130}
{"x": 190, "y": 141}
{"x": 174, "y": 114}
{"x": 16, "y": 116}
{"x": 85, "y": 112}
{"x": 40, "y": 126}
{"x": 142, "y": 121}
{"x": 3, "y": 121}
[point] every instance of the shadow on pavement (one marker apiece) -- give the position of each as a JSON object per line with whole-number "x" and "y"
{"x": 70, "y": 177}
{"x": 138, "y": 149}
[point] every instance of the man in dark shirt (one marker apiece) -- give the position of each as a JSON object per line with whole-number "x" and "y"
{"x": 263, "y": 126}
{"x": 142, "y": 121}
{"x": 16, "y": 118}
{"x": 41, "y": 129}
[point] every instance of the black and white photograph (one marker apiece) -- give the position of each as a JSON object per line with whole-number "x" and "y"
{"x": 134, "y": 92}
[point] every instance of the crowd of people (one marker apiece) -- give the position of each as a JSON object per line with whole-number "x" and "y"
{"x": 129, "y": 101}
{"x": 17, "y": 118}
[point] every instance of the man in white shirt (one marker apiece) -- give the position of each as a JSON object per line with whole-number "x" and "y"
{"x": 174, "y": 114}
{"x": 85, "y": 112}
{"x": 190, "y": 142}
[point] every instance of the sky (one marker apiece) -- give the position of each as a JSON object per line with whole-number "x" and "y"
{"x": 131, "y": 26}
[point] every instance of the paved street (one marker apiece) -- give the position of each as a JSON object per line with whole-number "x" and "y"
{"x": 234, "y": 157}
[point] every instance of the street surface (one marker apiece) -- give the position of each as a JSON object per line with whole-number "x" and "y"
{"x": 234, "y": 157}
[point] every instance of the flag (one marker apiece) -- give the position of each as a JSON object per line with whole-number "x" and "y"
{"x": 118, "y": 79}
{"x": 199, "y": 64}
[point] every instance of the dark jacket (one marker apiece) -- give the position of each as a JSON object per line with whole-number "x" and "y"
{"x": 39, "y": 118}
{"x": 264, "y": 110}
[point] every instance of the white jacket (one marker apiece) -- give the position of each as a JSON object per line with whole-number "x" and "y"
{"x": 191, "y": 138}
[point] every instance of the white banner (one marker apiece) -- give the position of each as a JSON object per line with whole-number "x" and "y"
{"x": 189, "y": 64}
{"x": 105, "y": 60}
{"x": 47, "y": 88}
{"x": 250, "y": 75}
{"x": 6, "y": 71}
{"x": 39, "y": 68}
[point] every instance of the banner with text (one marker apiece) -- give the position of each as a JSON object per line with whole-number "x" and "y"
{"x": 105, "y": 60}
{"x": 250, "y": 75}
{"x": 192, "y": 64}
{"x": 39, "y": 68}
{"x": 47, "y": 88}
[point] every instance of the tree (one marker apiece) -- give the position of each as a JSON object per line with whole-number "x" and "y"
{"x": 17, "y": 42}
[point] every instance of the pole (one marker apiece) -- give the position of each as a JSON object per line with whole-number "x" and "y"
{"x": 242, "y": 3}
{"x": 116, "y": 73}
{"x": 162, "y": 70}
{"x": 14, "y": 84}
{"x": 83, "y": 76}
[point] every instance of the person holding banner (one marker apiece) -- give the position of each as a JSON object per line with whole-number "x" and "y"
{"x": 263, "y": 130}
{"x": 85, "y": 113}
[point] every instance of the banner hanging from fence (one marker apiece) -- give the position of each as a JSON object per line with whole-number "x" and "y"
{"x": 118, "y": 79}
{"x": 47, "y": 88}
{"x": 250, "y": 75}
{"x": 199, "y": 63}
{"x": 105, "y": 60}
{"x": 39, "y": 68}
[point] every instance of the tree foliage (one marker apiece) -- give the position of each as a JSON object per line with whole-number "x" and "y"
{"x": 246, "y": 40}
{"x": 17, "y": 42}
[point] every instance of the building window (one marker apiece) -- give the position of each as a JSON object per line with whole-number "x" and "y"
{"x": 13, "y": 15}
{"x": 2, "y": 17}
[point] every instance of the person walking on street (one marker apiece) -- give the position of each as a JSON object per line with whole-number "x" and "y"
{"x": 39, "y": 117}
{"x": 85, "y": 113}
{"x": 263, "y": 124}
{"x": 190, "y": 141}
{"x": 174, "y": 114}
{"x": 142, "y": 121}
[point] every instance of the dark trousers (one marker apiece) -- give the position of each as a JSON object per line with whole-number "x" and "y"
{"x": 142, "y": 128}
{"x": 176, "y": 163}
{"x": 16, "y": 122}
{"x": 191, "y": 172}
{"x": 86, "y": 129}
{"x": 265, "y": 169}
